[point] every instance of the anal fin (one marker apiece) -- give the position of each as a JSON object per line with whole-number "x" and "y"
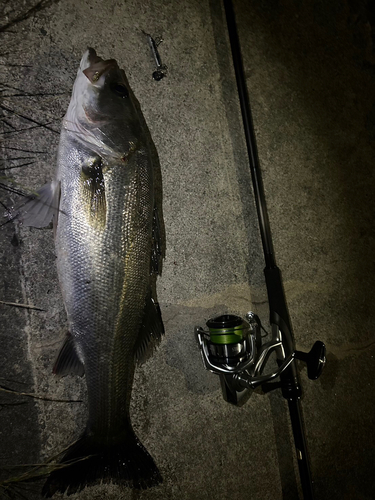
{"x": 67, "y": 361}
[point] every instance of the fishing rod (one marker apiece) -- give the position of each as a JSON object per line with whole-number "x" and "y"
{"x": 232, "y": 347}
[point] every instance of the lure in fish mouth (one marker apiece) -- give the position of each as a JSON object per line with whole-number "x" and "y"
{"x": 94, "y": 66}
{"x": 108, "y": 248}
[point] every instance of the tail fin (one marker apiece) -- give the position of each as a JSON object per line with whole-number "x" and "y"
{"x": 90, "y": 462}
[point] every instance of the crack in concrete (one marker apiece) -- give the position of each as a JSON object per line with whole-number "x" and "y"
{"x": 42, "y": 4}
{"x": 342, "y": 352}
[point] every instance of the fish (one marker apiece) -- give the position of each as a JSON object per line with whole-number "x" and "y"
{"x": 108, "y": 246}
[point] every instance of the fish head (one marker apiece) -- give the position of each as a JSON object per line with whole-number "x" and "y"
{"x": 102, "y": 111}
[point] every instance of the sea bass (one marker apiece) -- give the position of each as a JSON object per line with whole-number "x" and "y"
{"x": 107, "y": 242}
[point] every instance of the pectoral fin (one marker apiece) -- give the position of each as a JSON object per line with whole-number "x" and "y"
{"x": 93, "y": 192}
{"x": 39, "y": 210}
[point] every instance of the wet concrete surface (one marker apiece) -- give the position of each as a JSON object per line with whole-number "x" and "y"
{"x": 310, "y": 71}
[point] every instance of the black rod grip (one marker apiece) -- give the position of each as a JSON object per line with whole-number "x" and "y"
{"x": 301, "y": 448}
{"x": 290, "y": 386}
{"x": 277, "y": 303}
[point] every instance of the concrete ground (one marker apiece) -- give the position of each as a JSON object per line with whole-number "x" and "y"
{"x": 310, "y": 69}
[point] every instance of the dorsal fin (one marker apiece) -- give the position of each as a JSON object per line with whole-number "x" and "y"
{"x": 156, "y": 254}
{"x": 151, "y": 331}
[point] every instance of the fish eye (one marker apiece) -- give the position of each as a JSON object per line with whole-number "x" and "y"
{"x": 119, "y": 89}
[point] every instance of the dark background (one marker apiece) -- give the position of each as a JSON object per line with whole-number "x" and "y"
{"x": 310, "y": 69}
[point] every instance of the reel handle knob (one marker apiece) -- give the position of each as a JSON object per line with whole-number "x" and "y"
{"x": 315, "y": 359}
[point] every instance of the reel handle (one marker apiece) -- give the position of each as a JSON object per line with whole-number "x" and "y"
{"x": 315, "y": 359}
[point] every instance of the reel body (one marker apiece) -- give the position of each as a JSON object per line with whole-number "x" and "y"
{"x": 232, "y": 348}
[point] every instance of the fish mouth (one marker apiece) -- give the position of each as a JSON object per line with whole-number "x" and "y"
{"x": 93, "y": 66}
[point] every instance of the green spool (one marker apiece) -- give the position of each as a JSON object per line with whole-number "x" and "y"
{"x": 226, "y": 329}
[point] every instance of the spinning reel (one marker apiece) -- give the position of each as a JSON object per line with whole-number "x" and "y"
{"x": 232, "y": 348}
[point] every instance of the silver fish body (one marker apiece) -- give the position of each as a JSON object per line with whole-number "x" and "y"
{"x": 103, "y": 204}
{"x": 103, "y": 247}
